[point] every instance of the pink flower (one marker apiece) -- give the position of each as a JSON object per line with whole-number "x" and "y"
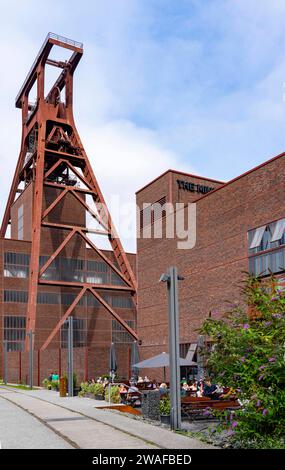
{"x": 265, "y": 412}
{"x": 234, "y": 424}
{"x": 272, "y": 359}
{"x": 246, "y": 326}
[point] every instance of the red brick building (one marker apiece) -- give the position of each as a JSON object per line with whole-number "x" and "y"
{"x": 239, "y": 227}
{"x": 94, "y": 327}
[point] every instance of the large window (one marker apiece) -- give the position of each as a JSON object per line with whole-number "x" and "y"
{"x": 97, "y": 272}
{"x": 121, "y": 301}
{"x": 14, "y": 332}
{"x": 63, "y": 269}
{"x": 16, "y": 265}
{"x": 119, "y": 334}
{"x": 79, "y": 333}
{"x": 19, "y": 296}
{"x": 266, "y": 246}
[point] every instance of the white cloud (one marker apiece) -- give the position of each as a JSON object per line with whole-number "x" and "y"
{"x": 124, "y": 158}
{"x": 193, "y": 85}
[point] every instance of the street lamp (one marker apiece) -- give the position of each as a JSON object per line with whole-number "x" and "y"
{"x": 171, "y": 277}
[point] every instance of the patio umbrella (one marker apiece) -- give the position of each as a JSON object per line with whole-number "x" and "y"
{"x": 134, "y": 359}
{"x": 161, "y": 360}
{"x": 112, "y": 361}
{"x": 201, "y": 358}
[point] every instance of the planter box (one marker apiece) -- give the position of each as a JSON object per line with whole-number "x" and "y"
{"x": 165, "y": 419}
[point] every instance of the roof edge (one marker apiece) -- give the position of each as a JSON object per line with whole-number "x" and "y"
{"x": 261, "y": 165}
{"x": 181, "y": 173}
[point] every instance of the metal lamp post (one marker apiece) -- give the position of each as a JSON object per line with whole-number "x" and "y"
{"x": 171, "y": 277}
{"x": 70, "y": 356}
{"x": 30, "y": 335}
{"x": 5, "y": 344}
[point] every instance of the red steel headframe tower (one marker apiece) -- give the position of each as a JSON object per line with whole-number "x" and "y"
{"x": 50, "y": 148}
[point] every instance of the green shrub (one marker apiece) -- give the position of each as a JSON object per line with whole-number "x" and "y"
{"x": 115, "y": 394}
{"x": 54, "y": 385}
{"x": 47, "y": 384}
{"x": 95, "y": 389}
{"x": 249, "y": 355}
{"x": 84, "y": 388}
{"x": 164, "y": 406}
{"x": 98, "y": 389}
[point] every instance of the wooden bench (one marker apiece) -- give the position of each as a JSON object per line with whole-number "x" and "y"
{"x": 197, "y": 406}
{"x": 133, "y": 399}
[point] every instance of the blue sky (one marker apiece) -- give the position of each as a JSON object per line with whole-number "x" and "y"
{"x": 194, "y": 85}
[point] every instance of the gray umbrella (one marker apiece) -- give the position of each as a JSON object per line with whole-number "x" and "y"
{"x": 112, "y": 360}
{"x": 161, "y": 360}
{"x": 134, "y": 359}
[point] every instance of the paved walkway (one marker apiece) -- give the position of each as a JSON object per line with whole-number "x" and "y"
{"x": 19, "y": 430}
{"x": 87, "y": 426}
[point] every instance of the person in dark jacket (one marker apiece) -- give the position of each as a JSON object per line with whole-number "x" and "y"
{"x": 210, "y": 390}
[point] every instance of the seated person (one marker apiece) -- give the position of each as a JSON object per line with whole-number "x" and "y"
{"x": 200, "y": 389}
{"x": 140, "y": 380}
{"x": 163, "y": 388}
{"x": 184, "y": 389}
{"x": 154, "y": 385}
{"x": 185, "y": 386}
{"x": 132, "y": 396}
{"x": 105, "y": 382}
{"x": 210, "y": 390}
{"x": 133, "y": 388}
{"x": 193, "y": 386}
{"x": 146, "y": 379}
{"x": 123, "y": 393}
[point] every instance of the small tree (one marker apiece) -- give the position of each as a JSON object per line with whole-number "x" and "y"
{"x": 248, "y": 354}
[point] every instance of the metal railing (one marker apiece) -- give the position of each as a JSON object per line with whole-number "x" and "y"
{"x": 71, "y": 42}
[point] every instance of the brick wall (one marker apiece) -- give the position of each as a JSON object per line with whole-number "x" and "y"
{"x": 214, "y": 268}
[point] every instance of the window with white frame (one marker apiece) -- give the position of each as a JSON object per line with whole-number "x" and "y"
{"x": 16, "y": 265}
{"x": 266, "y": 246}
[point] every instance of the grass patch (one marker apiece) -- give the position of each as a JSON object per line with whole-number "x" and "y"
{"x": 19, "y": 386}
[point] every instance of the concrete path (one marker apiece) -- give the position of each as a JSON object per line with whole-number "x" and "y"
{"x": 80, "y": 431}
{"x": 87, "y": 426}
{"x": 19, "y": 430}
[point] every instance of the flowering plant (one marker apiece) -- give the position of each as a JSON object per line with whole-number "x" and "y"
{"x": 249, "y": 355}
